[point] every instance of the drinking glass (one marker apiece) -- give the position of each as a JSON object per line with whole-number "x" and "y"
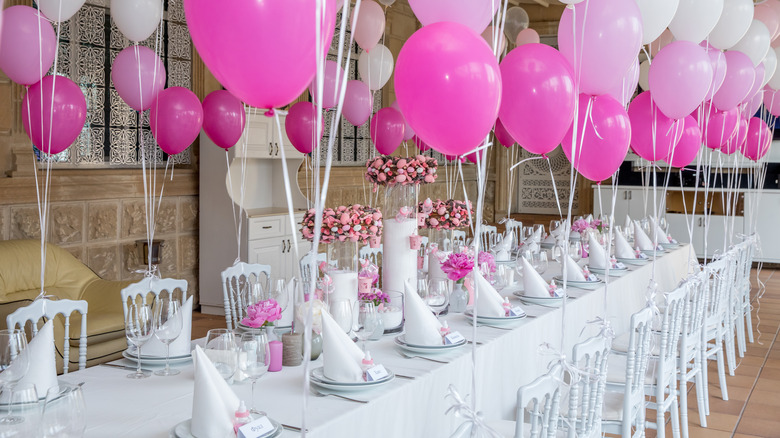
{"x": 555, "y": 227}
{"x": 64, "y": 412}
{"x": 540, "y": 229}
{"x": 367, "y": 320}
{"x": 280, "y": 293}
{"x": 664, "y": 224}
{"x": 528, "y": 232}
{"x": 23, "y": 412}
{"x": 222, "y": 350}
{"x": 341, "y": 311}
{"x": 575, "y": 250}
{"x": 139, "y": 328}
{"x": 258, "y": 355}
{"x": 167, "y": 327}
{"x": 13, "y": 364}
{"x": 438, "y": 295}
{"x": 422, "y": 287}
{"x": 540, "y": 262}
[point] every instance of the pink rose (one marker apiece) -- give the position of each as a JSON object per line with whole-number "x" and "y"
{"x": 400, "y": 178}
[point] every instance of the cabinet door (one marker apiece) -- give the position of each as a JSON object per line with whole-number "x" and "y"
{"x": 678, "y": 228}
{"x": 276, "y": 146}
{"x": 720, "y": 236}
{"x": 258, "y": 136}
{"x": 765, "y": 222}
{"x": 269, "y": 252}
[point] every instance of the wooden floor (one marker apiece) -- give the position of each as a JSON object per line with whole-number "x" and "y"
{"x": 753, "y": 408}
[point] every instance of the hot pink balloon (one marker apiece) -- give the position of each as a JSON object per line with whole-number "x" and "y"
{"x": 624, "y": 88}
{"x": 53, "y": 125}
{"x": 771, "y": 102}
{"x": 175, "y": 119}
{"x": 408, "y": 131}
{"x": 223, "y": 118}
{"x": 718, "y": 62}
{"x": 527, "y": 36}
{"x": 740, "y": 75}
{"x": 387, "y": 130}
{"x": 538, "y": 90}
{"x": 502, "y": 135}
{"x": 473, "y": 14}
{"x": 370, "y": 24}
{"x": 759, "y": 139}
{"x": 720, "y": 127}
{"x": 680, "y": 76}
{"x": 767, "y": 14}
{"x": 448, "y": 86}
{"x": 602, "y": 146}
{"x": 653, "y": 135}
{"x": 472, "y": 157}
{"x": 261, "y": 51}
{"x": 737, "y": 140}
{"x": 138, "y": 75}
{"x": 606, "y": 36}
{"x": 299, "y": 125}
{"x": 331, "y": 82}
{"x": 688, "y": 146}
{"x": 357, "y": 102}
{"x": 25, "y": 53}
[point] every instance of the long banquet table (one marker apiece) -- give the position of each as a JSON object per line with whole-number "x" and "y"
{"x": 506, "y": 359}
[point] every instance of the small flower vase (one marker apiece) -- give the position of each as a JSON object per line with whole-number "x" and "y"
{"x": 415, "y": 241}
{"x": 374, "y": 242}
{"x": 364, "y": 285}
{"x": 459, "y": 298}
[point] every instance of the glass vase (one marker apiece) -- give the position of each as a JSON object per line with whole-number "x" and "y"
{"x": 399, "y": 217}
{"x": 343, "y": 262}
{"x": 443, "y": 241}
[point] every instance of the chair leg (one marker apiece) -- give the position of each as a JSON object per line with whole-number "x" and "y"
{"x": 722, "y": 377}
{"x": 705, "y": 378}
{"x": 740, "y": 322}
{"x": 660, "y": 421}
{"x": 731, "y": 358}
{"x": 675, "y": 410}
{"x": 701, "y": 388}
{"x": 684, "y": 400}
{"x": 749, "y": 321}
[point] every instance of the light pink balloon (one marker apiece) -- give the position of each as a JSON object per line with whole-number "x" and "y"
{"x": 299, "y": 125}
{"x": 757, "y": 82}
{"x": 357, "y": 102}
{"x": 24, "y": 55}
{"x": 736, "y": 142}
{"x": 662, "y": 41}
{"x": 752, "y": 106}
{"x": 767, "y": 14}
{"x": 759, "y": 139}
{"x": 605, "y": 43}
{"x": 720, "y": 127}
{"x": 771, "y": 101}
{"x": 387, "y": 130}
{"x": 602, "y": 146}
{"x": 680, "y": 76}
{"x": 538, "y": 101}
{"x": 527, "y": 36}
{"x": 653, "y": 135}
{"x": 475, "y": 14}
{"x": 624, "y": 88}
{"x": 740, "y": 75}
{"x": 688, "y": 146}
{"x": 264, "y": 52}
{"x": 718, "y": 62}
{"x": 370, "y": 24}
{"x": 223, "y": 118}
{"x": 502, "y": 135}
{"x": 448, "y": 86}
{"x": 53, "y": 125}
{"x": 408, "y": 131}
{"x": 330, "y": 88}
{"x": 138, "y": 75}
{"x": 775, "y": 5}
{"x": 175, "y": 119}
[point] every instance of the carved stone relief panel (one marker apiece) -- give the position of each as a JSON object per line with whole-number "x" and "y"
{"x": 103, "y": 221}
{"x": 4, "y": 222}
{"x": 66, "y": 223}
{"x": 25, "y": 223}
{"x": 104, "y": 260}
{"x": 188, "y": 213}
{"x": 133, "y": 218}
{"x": 188, "y": 253}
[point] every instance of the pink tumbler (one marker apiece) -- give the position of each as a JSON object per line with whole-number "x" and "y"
{"x": 276, "y": 356}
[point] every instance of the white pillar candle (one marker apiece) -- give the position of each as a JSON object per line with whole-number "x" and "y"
{"x": 399, "y": 261}
{"x": 345, "y": 285}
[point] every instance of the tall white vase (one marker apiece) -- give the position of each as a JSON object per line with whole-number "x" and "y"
{"x": 399, "y": 260}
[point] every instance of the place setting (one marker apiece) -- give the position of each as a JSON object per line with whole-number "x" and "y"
{"x": 536, "y": 291}
{"x": 576, "y": 276}
{"x": 491, "y": 309}
{"x": 598, "y": 260}
{"x": 626, "y": 254}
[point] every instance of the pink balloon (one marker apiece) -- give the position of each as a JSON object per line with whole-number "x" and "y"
{"x": 223, "y": 118}
{"x": 357, "y": 102}
{"x": 138, "y": 75}
{"x": 757, "y": 82}
{"x": 408, "y": 131}
{"x": 624, "y": 88}
{"x": 53, "y": 125}
{"x": 662, "y": 41}
{"x": 759, "y": 139}
{"x": 261, "y": 51}
{"x": 767, "y": 14}
{"x": 502, "y": 135}
{"x": 737, "y": 140}
{"x": 752, "y": 105}
{"x": 740, "y": 75}
{"x": 775, "y": 5}
{"x": 771, "y": 101}
{"x": 24, "y": 55}
{"x": 472, "y": 157}
{"x": 603, "y": 145}
{"x": 299, "y": 125}
{"x": 688, "y": 146}
{"x": 538, "y": 90}
{"x": 720, "y": 127}
{"x": 470, "y": 13}
{"x": 423, "y": 146}
{"x": 387, "y": 130}
{"x": 175, "y": 119}
{"x": 527, "y": 36}
{"x": 718, "y": 62}
{"x": 680, "y": 76}
{"x": 331, "y": 82}
{"x": 370, "y": 24}
{"x": 653, "y": 135}
{"x": 448, "y": 86}
{"x": 606, "y": 42}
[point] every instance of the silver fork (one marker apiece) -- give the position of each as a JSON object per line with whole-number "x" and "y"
{"x": 496, "y": 327}
{"x": 412, "y": 356}
{"x": 317, "y": 393}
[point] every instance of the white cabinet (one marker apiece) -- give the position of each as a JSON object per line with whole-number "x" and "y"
{"x": 630, "y": 201}
{"x": 766, "y": 210}
{"x": 271, "y": 243}
{"x": 262, "y": 139}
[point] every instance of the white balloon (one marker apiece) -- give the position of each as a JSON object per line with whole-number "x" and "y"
{"x": 733, "y": 24}
{"x": 770, "y": 65}
{"x": 136, "y": 19}
{"x": 695, "y": 19}
{"x": 516, "y": 21}
{"x": 54, "y": 12}
{"x": 656, "y": 16}
{"x": 376, "y": 67}
{"x": 774, "y": 81}
{"x": 755, "y": 43}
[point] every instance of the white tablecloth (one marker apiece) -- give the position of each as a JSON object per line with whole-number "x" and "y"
{"x": 121, "y": 407}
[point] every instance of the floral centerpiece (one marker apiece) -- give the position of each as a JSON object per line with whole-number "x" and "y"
{"x": 376, "y": 296}
{"x": 390, "y": 171}
{"x": 262, "y": 314}
{"x": 354, "y": 223}
{"x": 444, "y": 215}
{"x": 458, "y": 265}
{"x": 580, "y": 225}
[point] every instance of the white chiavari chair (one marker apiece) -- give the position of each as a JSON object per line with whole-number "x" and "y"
{"x": 237, "y": 282}
{"x": 586, "y": 396}
{"x": 517, "y": 228}
{"x": 458, "y": 239}
{"x": 305, "y": 265}
{"x": 152, "y": 286}
{"x": 691, "y": 362}
{"x": 488, "y": 237}
{"x": 714, "y": 328}
{"x": 374, "y": 255}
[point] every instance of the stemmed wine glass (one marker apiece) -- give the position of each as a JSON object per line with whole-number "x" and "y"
{"x": 539, "y": 262}
{"x": 64, "y": 412}
{"x": 341, "y": 311}
{"x": 13, "y": 366}
{"x": 167, "y": 327}
{"x": 25, "y": 418}
{"x": 575, "y": 250}
{"x": 367, "y": 320}
{"x": 555, "y": 227}
{"x": 281, "y": 294}
{"x": 437, "y": 296}
{"x": 222, "y": 350}
{"x": 139, "y": 328}
{"x": 540, "y": 229}
{"x": 258, "y": 356}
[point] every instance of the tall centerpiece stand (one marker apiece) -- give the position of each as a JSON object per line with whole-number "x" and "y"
{"x": 441, "y": 218}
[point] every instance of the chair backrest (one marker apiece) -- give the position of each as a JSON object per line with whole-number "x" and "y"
{"x": 424, "y": 253}
{"x": 459, "y": 237}
{"x": 237, "y": 281}
{"x": 374, "y": 255}
{"x": 305, "y": 265}
{"x": 586, "y": 397}
{"x": 154, "y": 286}
{"x": 716, "y": 277}
{"x": 670, "y": 335}
{"x": 636, "y": 361}
{"x": 517, "y": 228}
{"x": 488, "y": 235}
{"x": 538, "y": 404}
{"x": 693, "y": 317}
{"x": 50, "y": 309}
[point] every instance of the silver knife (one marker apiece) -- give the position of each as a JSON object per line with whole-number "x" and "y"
{"x": 125, "y": 367}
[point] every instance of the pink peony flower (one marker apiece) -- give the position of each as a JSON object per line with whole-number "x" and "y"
{"x": 262, "y": 313}
{"x": 457, "y": 266}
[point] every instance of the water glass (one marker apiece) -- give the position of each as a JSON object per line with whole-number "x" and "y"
{"x": 367, "y": 320}
{"x": 168, "y": 321}
{"x": 255, "y": 356}
{"x": 222, "y": 350}
{"x": 341, "y": 311}
{"x": 139, "y": 328}
{"x": 437, "y": 296}
{"x": 23, "y": 416}
{"x": 280, "y": 293}
{"x": 575, "y": 250}
{"x": 13, "y": 365}
{"x": 64, "y": 412}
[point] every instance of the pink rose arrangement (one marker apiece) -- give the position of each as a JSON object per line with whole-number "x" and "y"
{"x": 262, "y": 313}
{"x": 445, "y": 215}
{"x": 389, "y": 171}
{"x": 356, "y": 223}
{"x": 486, "y": 259}
{"x": 457, "y": 266}
{"x": 580, "y": 225}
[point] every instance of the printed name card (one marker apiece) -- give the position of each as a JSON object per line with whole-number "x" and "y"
{"x": 619, "y": 265}
{"x": 256, "y": 428}
{"x": 673, "y": 241}
{"x": 642, "y": 256}
{"x": 592, "y": 277}
{"x": 376, "y": 373}
{"x": 516, "y": 311}
{"x": 454, "y": 338}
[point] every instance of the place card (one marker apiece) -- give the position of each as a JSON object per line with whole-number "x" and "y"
{"x": 619, "y": 265}
{"x": 516, "y": 311}
{"x": 642, "y": 256}
{"x": 592, "y": 277}
{"x": 673, "y": 241}
{"x": 453, "y": 338}
{"x": 257, "y": 428}
{"x": 376, "y": 373}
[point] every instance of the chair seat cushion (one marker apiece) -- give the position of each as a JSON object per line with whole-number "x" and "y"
{"x": 613, "y": 406}
{"x": 620, "y": 343}
{"x": 616, "y": 370}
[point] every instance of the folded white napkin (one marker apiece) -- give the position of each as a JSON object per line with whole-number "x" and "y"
{"x": 659, "y": 235}
{"x": 640, "y": 238}
{"x": 489, "y": 302}
{"x": 43, "y": 367}
{"x": 628, "y": 223}
{"x": 503, "y": 248}
{"x": 341, "y": 358}
{"x": 552, "y": 238}
{"x": 213, "y": 402}
{"x": 589, "y": 218}
{"x": 597, "y": 256}
{"x": 533, "y": 283}
{"x": 421, "y": 325}
{"x": 623, "y": 249}
{"x": 181, "y": 345}
{"x": 573, "y": 270}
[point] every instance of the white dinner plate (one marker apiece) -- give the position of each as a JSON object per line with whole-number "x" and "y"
{"x": 541, "y": 301}
{"x": 612, "y": 272}
{"x": 494, "y": 319}
{"x": 400, "y": 340}
{"x": 588, "y": 285}
{"x": 277, "y": 328}
{"x": 650, "y": 252}
{"x": 670, "y": 245}
{"x": 318, "y": 378}
{"x": 155, "y": 360}
{"x": 634, "y": 261}
{"x": 184, "y": 429}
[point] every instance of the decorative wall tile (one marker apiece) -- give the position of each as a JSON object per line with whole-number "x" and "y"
{"x": 165, "y": 222}
{"x": 4, "y": 222}
{"x": 25, "y": 223}
{"x": 77, "y": 251}
{"x": 535, "y": 188}
{"x": 92, "y": 25}
{"x": 188, "y": 253}
{"x": 133, "y": 219}
{"x": 103, "y": 221}
{"x": 131, "y": 261}
{"x": 104, "y": 260}
{"x": 170, "y": 255}
{"x": 66, "y": 223}
{"x": 179, "y": 41}
{"x": 188, "y": 214}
